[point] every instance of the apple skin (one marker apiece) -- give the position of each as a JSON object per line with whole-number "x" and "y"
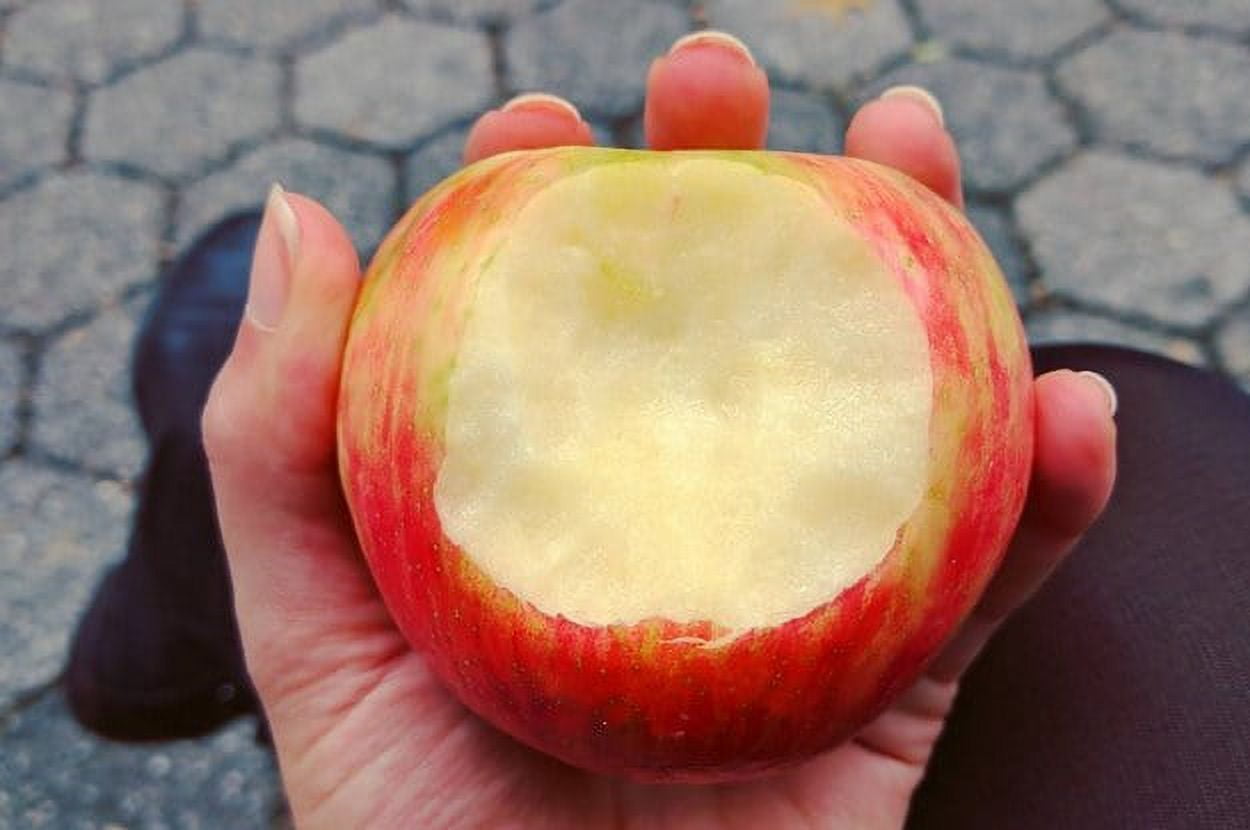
{"x": 649, "y": 701}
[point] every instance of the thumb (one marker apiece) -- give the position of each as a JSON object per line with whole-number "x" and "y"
{"x": 269, "y": 433}
{"x": 285, "y": 364}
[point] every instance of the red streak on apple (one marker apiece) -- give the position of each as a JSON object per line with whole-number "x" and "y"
{"x": 652, "y": 700}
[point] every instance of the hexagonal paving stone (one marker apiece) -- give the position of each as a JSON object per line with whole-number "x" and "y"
{"x": 11, "y": 376}
{"x": 89, "y": 40}
{"x": 819, "y": 42}
{"x": 394, "y": 82}
{"x": 434, "y": 161}
{"x": 275, "y": 23}
{"x": 73, "y": 241}
{"x": 633, "y": 136}
{"x": 803, "y": 121}
{"x": 1006, "y": 124}
{"x": 1017, "y": 29}
{"x": 36, "y": 126}
{"x": 995, "y": 228}
{"x": 178, "y": 116}
{"x": 1233, "y": 343}
{"x": 82, "y": 403}
{"x": 1228, "y": 15}
{"x": 1065, "y": 326}
{"x": 475, "y": 11}
{"x": 53, "y": 774}
{"x": 1139, "y": 236}
{"x": 593, "y": 52}
{"x": 1171, "y": 94}
{"x": 357, "y": 188}
{"x": 603, "y": 134}
{"x": 57, "y": 531}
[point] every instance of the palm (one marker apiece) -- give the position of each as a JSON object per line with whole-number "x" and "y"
{"x": 390, "y": 747}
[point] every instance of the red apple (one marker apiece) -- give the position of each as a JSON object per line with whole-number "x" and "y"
{"x": 680, "y": 466}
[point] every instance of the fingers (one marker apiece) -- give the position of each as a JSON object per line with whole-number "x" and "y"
{"x": 527, "y": 122}
{"x": 1073, "y": 473}
{"x": 904, "y": 129}
{"x": 283, "y": 372}
{"x": 269, "y": 432}
{"x": 706, "y": 93}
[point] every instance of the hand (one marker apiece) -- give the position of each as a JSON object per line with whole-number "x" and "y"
{"x": 365, "y": 736}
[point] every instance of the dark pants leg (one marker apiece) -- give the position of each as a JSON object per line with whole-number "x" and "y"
{"x": 157, "y": 655}
{"x": 1120, "y": 696}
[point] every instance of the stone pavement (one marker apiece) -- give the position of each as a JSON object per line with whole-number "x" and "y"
{"x": 1106, "y": 142}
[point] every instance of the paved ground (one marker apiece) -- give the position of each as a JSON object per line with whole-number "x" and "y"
{"x": 1107, "y": 145}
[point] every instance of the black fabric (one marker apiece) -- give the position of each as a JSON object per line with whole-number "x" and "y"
{"x": 1120, "y": 696}
{"x": 157, "y": 654}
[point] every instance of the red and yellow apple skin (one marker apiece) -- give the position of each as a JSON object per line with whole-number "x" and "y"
{"x": 653, "y": 700}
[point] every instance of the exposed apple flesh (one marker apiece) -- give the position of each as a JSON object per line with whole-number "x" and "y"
{"x": 681, "y": 465}
{"x": 664, "y": 407}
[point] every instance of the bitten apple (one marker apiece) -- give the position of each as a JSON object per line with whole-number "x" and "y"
{"x": 680, "y": 466}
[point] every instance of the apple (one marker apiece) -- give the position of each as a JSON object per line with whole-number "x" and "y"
{"x": 680, "y": 466}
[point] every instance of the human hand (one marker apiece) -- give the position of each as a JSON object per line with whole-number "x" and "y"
{"x": 365, "y": 735}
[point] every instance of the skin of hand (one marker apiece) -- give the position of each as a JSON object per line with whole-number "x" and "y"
{"x": 365, "y": 735}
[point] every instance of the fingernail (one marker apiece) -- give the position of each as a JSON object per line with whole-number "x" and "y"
{"x": 1113, "y": 400}
{"x": 276, "y": 248}
{"x": 541, "y": 99}
{"x": 713, "y": 36}
{"x": 920, "y": 94}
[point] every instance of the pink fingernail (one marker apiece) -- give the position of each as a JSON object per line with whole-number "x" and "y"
{"x": 713, "y": 36}
{"x": 541, "y": 99}
{"x": 920, "y": 95}
{"x": 273, "y": 261}
{"x": 1113, "y": 400}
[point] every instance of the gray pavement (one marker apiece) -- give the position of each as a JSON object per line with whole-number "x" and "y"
{"x": 1107, "y": 145}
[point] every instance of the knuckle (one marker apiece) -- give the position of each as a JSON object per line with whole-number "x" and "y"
{"x": 221, "y": 423}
